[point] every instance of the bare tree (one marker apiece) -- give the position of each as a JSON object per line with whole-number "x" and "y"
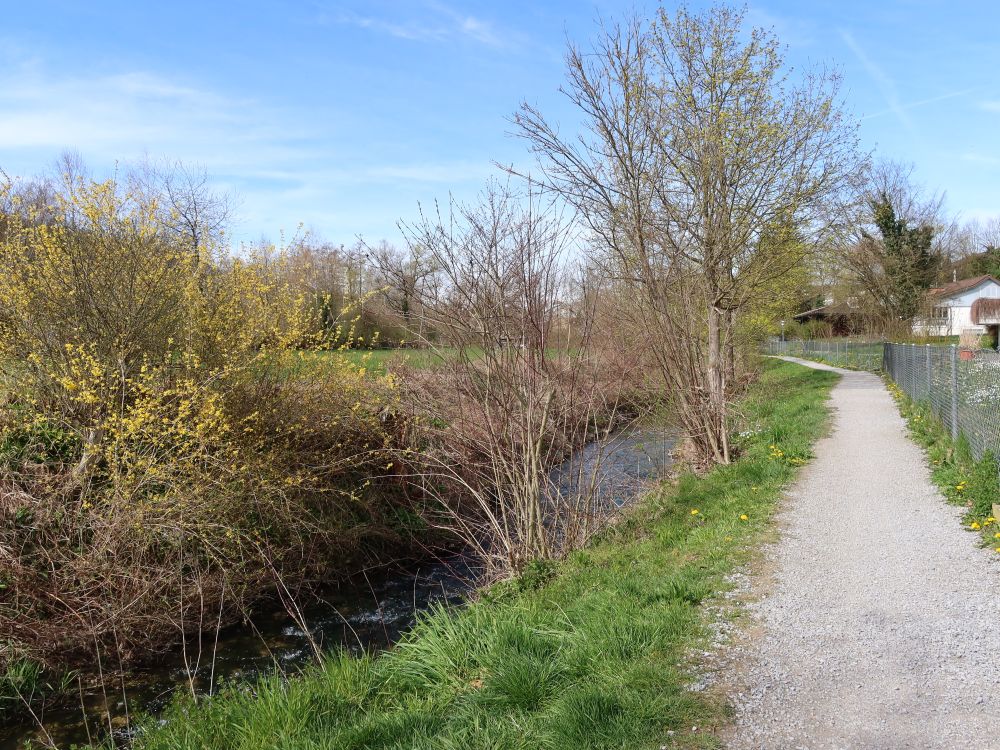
{"x": 194, "y": 211}
{"x": 977, "y": 249}
{"x": 985, "y": 235}
{"x": 407, "y": 276}
{"x": 705, "y": 173}
{"x": 512, "y": 399}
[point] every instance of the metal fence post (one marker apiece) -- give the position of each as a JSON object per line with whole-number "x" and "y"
{"x": 911, "y": 381}
{"x": 954, "y": 392}
{"x": 928, "y": 352}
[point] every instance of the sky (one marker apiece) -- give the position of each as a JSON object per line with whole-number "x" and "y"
{"x": 342, "y": 117}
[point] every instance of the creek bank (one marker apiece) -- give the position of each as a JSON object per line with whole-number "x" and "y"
{"x": 365, "y": 614}
{"x": 587, "y": 652}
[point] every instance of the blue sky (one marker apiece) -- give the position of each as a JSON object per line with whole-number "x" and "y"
{"x": 343, "y": 115}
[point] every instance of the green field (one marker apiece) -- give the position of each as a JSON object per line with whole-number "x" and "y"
{"x": 592, "y": 652}
{"x": 379, "y": 361}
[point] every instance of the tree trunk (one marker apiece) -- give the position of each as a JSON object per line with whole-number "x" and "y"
{"x": 91, "y": 455}
{"x": 716, "y": 421}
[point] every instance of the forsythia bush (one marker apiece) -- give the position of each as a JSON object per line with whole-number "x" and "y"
{"x": 169, "y": 449}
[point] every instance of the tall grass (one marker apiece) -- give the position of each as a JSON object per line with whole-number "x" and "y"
{"x": 586, "y": 653}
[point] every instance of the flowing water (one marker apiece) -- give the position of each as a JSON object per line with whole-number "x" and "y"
{"x": 367, "y": 614}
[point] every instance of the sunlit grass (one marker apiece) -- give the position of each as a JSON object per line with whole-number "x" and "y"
{"x": 378, "y": 361}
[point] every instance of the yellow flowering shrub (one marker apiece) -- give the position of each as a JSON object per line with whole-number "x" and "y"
{"x": 163, "y": 449}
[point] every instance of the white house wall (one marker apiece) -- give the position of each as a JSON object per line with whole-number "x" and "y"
{"x": 959, "y": 312}
{"x": 961, "y": 320}
{"x": 987, "y": 290}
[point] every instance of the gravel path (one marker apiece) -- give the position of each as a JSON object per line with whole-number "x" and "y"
{"x": 879, "y": 624}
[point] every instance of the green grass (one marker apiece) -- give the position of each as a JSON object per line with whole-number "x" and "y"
{"x": 858, "y": 356}
{"x": 23, "y": 682}
{"x": 592, "y": 652}
{"x": 973, "y": 484}
{"x": 380, "y": 360}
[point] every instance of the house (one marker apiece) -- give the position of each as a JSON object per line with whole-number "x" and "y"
{"x": 951, "y": 306}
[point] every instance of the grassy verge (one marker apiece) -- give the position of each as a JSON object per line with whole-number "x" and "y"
{"x": 589, "y": 653}
{"x": 868, "y": 360}
{"x": 965, "y": 481}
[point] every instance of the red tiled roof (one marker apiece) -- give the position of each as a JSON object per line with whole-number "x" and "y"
{"x": 957, "y": 287}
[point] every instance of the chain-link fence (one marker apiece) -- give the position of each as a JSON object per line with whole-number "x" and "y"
{"x": 963, "y": 393}
{"x": 963, "y": 389}
{"x": 858, "y": 355}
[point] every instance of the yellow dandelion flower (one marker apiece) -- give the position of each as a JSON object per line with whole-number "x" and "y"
{"x": 744, "y": 517}
{"x": 974, "y": 525}
{"x": 694, "y": 511}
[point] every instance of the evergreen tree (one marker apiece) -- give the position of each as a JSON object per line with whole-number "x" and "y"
{"x": 909, "y": 260}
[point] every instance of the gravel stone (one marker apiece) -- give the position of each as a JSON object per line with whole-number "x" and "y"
{"x": 879, "y": 626}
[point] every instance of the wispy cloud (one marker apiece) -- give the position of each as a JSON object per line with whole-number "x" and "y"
{"x": 286, "y": 166}
{"x": 923, "y": 102}
{"x": 116, "y": 113}
{"x": 435, "y": 22}
{"x": 885, "y": 84}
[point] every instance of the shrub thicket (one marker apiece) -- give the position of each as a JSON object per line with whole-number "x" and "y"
{"x": 164, "y": 460}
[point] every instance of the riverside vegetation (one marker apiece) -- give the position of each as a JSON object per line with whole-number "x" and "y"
{"x": 187, "y": 431}
{"x": 162, "y": 467}
{"x": 186, "y": 434}
{"x": 590, "y": 652}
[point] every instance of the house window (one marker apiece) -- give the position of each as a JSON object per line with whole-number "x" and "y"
{"x": 939, "y": 312}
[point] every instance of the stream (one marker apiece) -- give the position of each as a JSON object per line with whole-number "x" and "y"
{"x": 367, "y": 614}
